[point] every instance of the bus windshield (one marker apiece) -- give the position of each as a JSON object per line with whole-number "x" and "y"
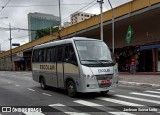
{"x": 93, "y": 52}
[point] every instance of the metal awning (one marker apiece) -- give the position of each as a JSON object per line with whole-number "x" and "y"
{"x": 149, "y": 47}
{"x": 19, "y": 59}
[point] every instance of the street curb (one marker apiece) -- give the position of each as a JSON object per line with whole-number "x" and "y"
{"x": 139, "y": 84}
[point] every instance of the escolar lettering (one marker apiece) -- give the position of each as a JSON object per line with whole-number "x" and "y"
{"x": 47, "y": 67}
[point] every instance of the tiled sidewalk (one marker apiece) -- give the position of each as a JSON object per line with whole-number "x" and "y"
{"x": 140, "y": 80}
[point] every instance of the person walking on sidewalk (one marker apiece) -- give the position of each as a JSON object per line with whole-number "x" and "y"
{"x": 133, "y": 65}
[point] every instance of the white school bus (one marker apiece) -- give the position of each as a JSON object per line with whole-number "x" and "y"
{"x": 76, "y": 64}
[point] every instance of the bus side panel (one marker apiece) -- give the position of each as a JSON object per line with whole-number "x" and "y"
{"x": 71, "y": 71}
{"x": 60, "y": 74}
{"x": 35, "y": 72}
{"x": 59, "y": 55}
{"x": 49, "y": 73}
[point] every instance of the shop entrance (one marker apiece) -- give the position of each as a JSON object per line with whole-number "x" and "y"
{"x": 145, "y": 61}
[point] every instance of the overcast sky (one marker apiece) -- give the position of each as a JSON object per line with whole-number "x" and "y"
{"x": 17, "y": 11}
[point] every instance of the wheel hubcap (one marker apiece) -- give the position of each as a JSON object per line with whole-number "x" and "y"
{"x": 71, "y": 89}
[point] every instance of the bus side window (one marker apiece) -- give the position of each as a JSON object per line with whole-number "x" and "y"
{"x": 50, "y": 54}
{"x": 60, "y": 54}
{"x": 41, "y": 55}
{"x": 35, "y": 57}
{"x": 70, "y": 55}
{"x": 44, "y": 55}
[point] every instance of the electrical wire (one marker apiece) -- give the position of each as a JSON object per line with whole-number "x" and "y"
{"x": 43, "y": 5}
{"x": 5, "y": 5}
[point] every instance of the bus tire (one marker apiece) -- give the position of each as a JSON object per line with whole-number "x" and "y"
{"x": 71, "y": 89}
{"x": 103, "y": 93}
{"x": 43, "y": 83}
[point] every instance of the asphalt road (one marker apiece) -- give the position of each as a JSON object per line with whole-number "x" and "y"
{"x": 18, "y": 90}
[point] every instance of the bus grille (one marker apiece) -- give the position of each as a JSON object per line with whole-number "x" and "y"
{"x": 104, "y": 77}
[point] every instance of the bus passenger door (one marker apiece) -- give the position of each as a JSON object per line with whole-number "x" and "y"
{"x": 60, "y": 74}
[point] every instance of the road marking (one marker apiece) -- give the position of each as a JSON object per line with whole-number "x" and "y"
{"x": 121, "y": 113}
{"x": 143, "y": 94}
{"x": 33, "y": 113}
{"x": 14, "y": 75}
{"x": 46, "y": 94}
{"x": 30, "y": 89}
{"x": 87, "y": 103}
{"x": 119, "y": 102}
{"x": 152, "y": 92}
{"x": 57, "y": 105}
{"x": 139, "y": 99}
{"x": 9, "y": 82}
{"x": 76, "y": 113}
{"x": 17, "y": 85}
{"x": 25, "y": 74}
{"x": 111, "y": 91}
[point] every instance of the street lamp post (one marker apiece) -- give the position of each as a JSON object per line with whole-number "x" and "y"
{"x": 10, "y": 38}
{"x": 60, "y": 27}
{"x": 60, "y": 14}
{"x": 0, "y": 47}
{"x": 101, "y": 10}
{"x": 113, "y": 16}
{"x": 10, "y": 42}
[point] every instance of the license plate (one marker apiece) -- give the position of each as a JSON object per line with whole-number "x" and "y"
{"x": 105, "y": 81}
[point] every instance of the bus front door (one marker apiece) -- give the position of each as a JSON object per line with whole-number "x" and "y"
{"x": 60, "y": 74}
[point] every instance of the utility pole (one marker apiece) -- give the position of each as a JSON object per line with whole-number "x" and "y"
{"x": 113, "y": 16}
{"x": 60, "y": 14}
{"x": 101, "y": 10}
{"x": 59, "y": 36}
{"x": 10, "y": 46}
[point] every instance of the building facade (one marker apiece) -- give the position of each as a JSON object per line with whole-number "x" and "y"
{"x": 80, "y": 16}
{"x": 37, "y": 21}
{"x": 66, "y": 24}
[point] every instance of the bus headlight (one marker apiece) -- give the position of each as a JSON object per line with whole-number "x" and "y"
{"x": 88, "y": 76}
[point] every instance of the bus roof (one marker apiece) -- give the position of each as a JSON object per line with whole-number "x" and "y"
{"x": 63, "y": 41}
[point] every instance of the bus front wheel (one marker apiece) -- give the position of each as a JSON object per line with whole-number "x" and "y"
{"x": 71, "y": 89}
{"x": 42, "y": 83}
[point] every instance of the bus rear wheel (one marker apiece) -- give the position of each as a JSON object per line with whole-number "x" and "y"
{"x": 103, "y": 93}
{"x": 71, "y": 89}
{"x": 43, "y": 83}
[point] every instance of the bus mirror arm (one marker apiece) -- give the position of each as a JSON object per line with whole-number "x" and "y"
{"x": 66, "y": 59}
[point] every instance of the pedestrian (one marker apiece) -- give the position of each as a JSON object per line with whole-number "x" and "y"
{"x": 133, "y": 65}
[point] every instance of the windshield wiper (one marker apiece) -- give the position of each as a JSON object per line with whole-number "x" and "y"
{"x": 95, "y": 61}
{"x": 100, "y": 62}
{"x": 107, "y": 61}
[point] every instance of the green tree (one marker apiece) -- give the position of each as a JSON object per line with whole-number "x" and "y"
{"x": 46, "y": 31}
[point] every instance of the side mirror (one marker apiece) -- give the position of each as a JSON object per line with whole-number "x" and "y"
{"x": 66, "y": 59}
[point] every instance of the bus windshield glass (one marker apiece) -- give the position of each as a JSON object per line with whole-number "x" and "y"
{"x": 93, "y": 52}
